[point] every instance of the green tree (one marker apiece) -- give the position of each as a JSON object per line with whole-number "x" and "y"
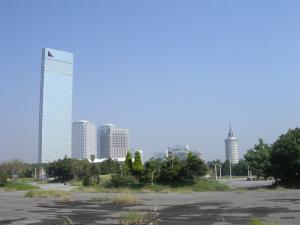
{"x": 193, "y": 168}
{"x": 61, "y": 169}
{"x": 137, "y": 164}
{"x": 151, "y": 171}
{"x": 92, "y": 157}
{"x": 16, "y": 169}
{"x": 258, "y": 159}
{"x": 109, "y": 166}
{"x": 285, "y": 157}
{"x": 171, "y": 171}
{"x": 240, "y": 169}
{"x": 128, "y": 166}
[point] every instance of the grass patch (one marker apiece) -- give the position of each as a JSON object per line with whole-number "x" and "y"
{"x": 47, "y": 193}
{"x": 19, "y": 186}
{"x": 131, "y": 218}
{"x": 99, "y": 199}
{"x": 27, "y": 179}
{"x": 125, "y": 199}
{"x": 256, "y": 221}
{"x": 75, "y": 182}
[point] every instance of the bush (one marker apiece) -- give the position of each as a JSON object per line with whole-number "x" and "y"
{"x": 86, "y": 181}
{"x": 3, "y": 179}
{"x": 122, "y": 181}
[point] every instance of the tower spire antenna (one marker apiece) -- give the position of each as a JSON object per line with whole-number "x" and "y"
{"x": 230, "y": 133}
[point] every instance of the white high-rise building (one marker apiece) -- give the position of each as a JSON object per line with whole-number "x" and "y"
{"x": 231, "y": 148}
{"x": 84, "y": 140}
{"x": 112, "y": 142}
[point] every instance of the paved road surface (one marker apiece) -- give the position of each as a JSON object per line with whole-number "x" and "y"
{"x": 243, "y": 183}
{"x": 209, "y": 208}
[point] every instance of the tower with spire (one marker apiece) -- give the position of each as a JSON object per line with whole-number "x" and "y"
{"x": 231, "y": 147}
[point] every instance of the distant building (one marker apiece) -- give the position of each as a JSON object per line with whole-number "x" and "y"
{"x": 199, "y": 154}
{"x": 179, "y": 151}
{"x": 84, "y": 140}
{"x": 160, "y": 155}
{"x": 231, "y": 148}
{"x": 112, "y": 142}
{"x": 55, "y": 116}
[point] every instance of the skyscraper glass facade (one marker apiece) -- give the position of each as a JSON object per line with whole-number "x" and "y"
{"x": 55, "y": 124}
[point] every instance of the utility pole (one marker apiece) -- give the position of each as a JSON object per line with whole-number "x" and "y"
{"x": 216, "y": 174}
{"x": 230, "y": 169}
{"x": 220, "y": 171}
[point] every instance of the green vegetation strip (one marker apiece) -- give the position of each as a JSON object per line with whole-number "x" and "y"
{"x": 19, "y": 186}
{"x": 200, "y": 186}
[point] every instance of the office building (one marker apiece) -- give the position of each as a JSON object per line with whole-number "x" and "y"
{"x": 55, "y": 116}
{"x": 179, "y": 151}
{"x": 231, "y": 148}
{"x": 84, "y": 140}
{"x": 112, "y": 142}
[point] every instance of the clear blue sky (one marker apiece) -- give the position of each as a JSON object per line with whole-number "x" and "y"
{"x": 172, "y": 72}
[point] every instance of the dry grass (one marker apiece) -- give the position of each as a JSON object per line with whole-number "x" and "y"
{"x": 125, "y": 199}
{"x": 47, "y": 193}
{"x": 99, "y": 199}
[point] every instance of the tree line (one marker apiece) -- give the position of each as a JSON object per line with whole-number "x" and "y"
{"x": 280, "y": 160}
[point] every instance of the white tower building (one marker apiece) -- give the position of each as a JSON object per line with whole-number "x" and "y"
{"x": 231, "y": 148}
{"x": 84, "y": 140}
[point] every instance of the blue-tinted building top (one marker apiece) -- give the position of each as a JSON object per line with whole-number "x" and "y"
{"x": 55, "y": 125}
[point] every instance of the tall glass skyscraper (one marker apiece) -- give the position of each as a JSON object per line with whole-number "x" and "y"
{"x": 55, "y": 124}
